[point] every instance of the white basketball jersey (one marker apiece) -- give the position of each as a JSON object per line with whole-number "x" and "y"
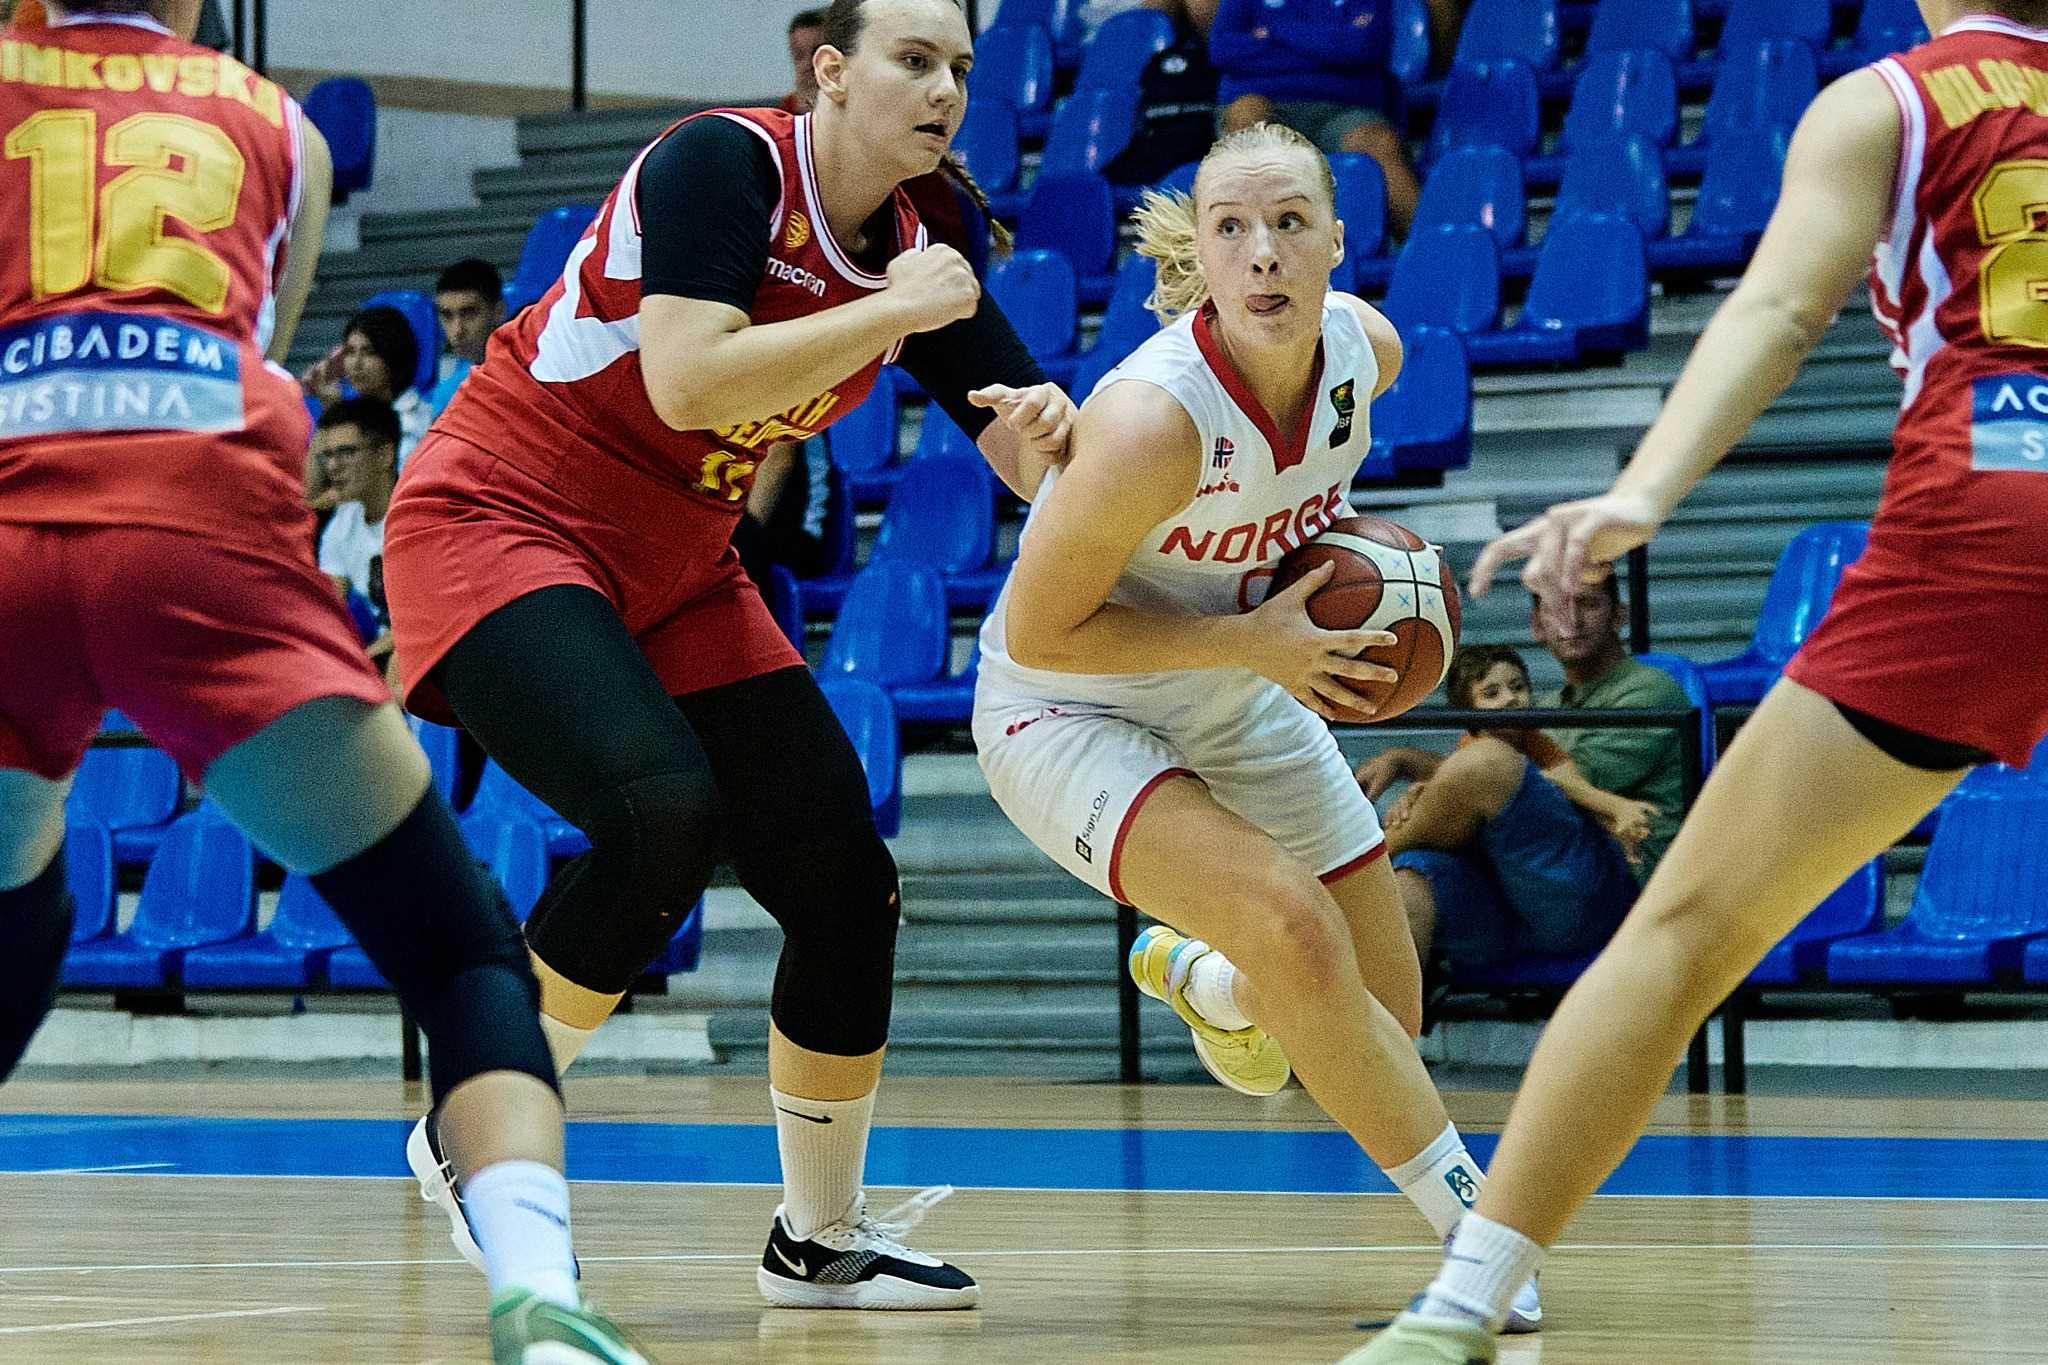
{"x": 1258, "y": 495}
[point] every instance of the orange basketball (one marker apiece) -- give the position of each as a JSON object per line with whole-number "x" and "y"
{"x": 1385, "y": 577}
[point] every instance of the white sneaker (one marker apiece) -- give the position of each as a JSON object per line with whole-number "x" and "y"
{"x": 859, "y": 1262}
{"x": 437, "y": 1186}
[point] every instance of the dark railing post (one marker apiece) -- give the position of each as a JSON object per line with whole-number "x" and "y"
{"x": 259, "y": 56}
{"x": 579, "y": 55}
{"x": 1639, "y": 600}
{"x": 409, "y": 1067}
{"x": 1129, "y": 1068}
{"x": 238, "y": 28}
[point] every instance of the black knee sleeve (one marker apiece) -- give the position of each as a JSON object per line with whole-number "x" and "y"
{"x": 437, "y": 926}
{"x": 35, "y": 924}
{"x": 837, "y": 900}
{"x": 653, "y": 845}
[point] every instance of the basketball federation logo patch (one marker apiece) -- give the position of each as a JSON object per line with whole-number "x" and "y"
{"x": 1219, "y": 479}
{"x": 797, "y": 232}
{"x": 2009, "y": 422}
{"x": 1345, "y": 404}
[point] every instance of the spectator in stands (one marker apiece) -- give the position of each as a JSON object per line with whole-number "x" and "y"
{"x": 356, "y": 446}
{"x": 785, "y": 519}
{"x": 1194, "y": 16}
{"x": 806, "y": 31}
{"x": 469, "y": 298}
{"x": 377, "y": 358}
{"x": 1323, "y": 69}
{"x": 1498, "y": 850}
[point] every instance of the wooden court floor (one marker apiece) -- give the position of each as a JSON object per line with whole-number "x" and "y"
{"x": 133, "y": 1266}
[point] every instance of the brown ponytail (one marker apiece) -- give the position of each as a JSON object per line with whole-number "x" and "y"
{"x": 955, "y": 169}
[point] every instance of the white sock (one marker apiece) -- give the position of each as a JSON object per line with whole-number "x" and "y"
{"x": 519, "y": 1211}
{"x": 1212, "y": 990}
{"x": 824, "y": 1145}
{"x": 1442, "y": 1180}
{"x": 565, "y": 1041}
{"x": 1486, "y": 1266}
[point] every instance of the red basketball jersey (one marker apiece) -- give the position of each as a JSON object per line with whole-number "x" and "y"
{"x": 562, "y": 381}
{"x": 1960, "y": 284}
{"x": 147, "y": 187}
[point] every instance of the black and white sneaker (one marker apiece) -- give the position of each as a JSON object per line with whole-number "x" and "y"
{"x": 436, "y": 1174}
{"x": 859, "y": 1262}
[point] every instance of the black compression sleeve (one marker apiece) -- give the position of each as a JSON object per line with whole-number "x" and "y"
{"x": 705, "y": 195}
{"x": 965, "y": 355}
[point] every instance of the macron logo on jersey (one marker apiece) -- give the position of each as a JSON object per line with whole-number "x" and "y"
{"x": 1274, "y": 536}
{"x": 798, "y": 276}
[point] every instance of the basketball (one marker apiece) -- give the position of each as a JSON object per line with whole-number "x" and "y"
{"x": 1384, "y": 577}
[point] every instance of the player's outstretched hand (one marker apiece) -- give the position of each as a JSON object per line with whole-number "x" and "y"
{"x": 1313, "y": 664}
{"x": 936, "y": 285}
{"x": 1042, "y": 416}
{"x": 1571, "y": 544}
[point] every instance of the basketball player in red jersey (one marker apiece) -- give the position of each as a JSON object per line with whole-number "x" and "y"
{"x": 562, "y": 581}
{"x": 162, "y": 209}
{"x": 1926, "y": 170}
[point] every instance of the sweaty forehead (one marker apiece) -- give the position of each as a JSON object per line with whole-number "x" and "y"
{"x": 1260, "y": 178}
{"x": 938, "y": 22}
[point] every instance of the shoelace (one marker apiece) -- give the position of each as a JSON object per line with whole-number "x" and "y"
{"x": 890, "y": 1228}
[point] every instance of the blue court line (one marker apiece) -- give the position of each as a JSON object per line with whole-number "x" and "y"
{"x": 1323, "y": 1162}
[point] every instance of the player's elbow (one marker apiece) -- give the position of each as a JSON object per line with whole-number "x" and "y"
{"x": 677, "y": 401}
{"x": 1033, "y": 644}
{"x": 1786, "y": 319}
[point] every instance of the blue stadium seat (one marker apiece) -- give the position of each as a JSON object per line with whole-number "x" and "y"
{"x": 1801, "y": 587}
{"x": 1089, "y": 129}
{"x": 1477, "y": 185}
{"x": 938, "y": 435}
{"x": 1036, "y": 291}
{"x": 1524, "y": 30}
{"x": 500, "y": 800}
{"x": 1854, "y": 907}
{"x": 89, "y": 877}
{"x": 517, "y": 852}
{"x": 443, "y": 747}
{"x": 426, "y": 330}
{"x": 1017, "y": 13}
{"x": 1528, "y": 972}
{"x": 546, "y": 253}
{"x": 784, "y": 600}
{"x": 1487, "y": 104}
{"x": 1622, "y": 176}
{"x": 1663, "y": 26}
{"x": 893, "y": 628}
{"x": 1882, "y": 28}
{"x": 135, "y": 793}
{"x": 1630, "y": 93}
{"x": 1064, "y": 21}
{"x": 1115, "y": 57}
{"x": 1590, "y": 293}
{"x": 349, "y": 969}
{"x": 869, "y": 720}
{"x": 685, "y": 949}
{"x": 1766, "y": 84}
{"x": 1362, "y": 208}
{"x": 1983, "y": 892}
{"x": 290, "y": 951}
{"x": 1735, "y": 202}
{"x": 948, "y": 699}
{"x": 344, "y": 109}
{"x": 1687, "y": 675}
{"x": 987, "y": 142}
{"x": 200, "y": 889}
{"x": 1127, "y": 323}
{"x": 1808, "y": 21}
{"x": 942, "y": 514}
{"x": 1446, "y": 277}
{"x": 1425, "y": 420}
{"x": 863, "y": 442}
{"x": 1408, "y": 56}
{"x": 1075, "y": 215}
{"x": 1013, "y": 66}
{"x": 822, "y": 595}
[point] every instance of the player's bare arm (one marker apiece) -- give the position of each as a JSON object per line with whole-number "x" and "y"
{"x": 302, "y": 251}
{"x": 1386, "y": 342}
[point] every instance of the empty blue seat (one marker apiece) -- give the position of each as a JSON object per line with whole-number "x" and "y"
{"x": 1629, "y": 93}
{"x": 133, "y": 792}
{"x": 784, "y": 600}
{"x": 942, "y": 514}
{"x": 1127, "y": 323}
{"x": 89, "y": 877}
{"x": 939, "y": 435}
{"x": 1983, "y": 892}
{"x": 987, "y": 142}
{"x": 499, "y": 800}
{"x": 344, "y": 109}
{"x": 1487, "y": 104}
{"x": 1854, "y": 907}
{"x": 546, "y": 253}
{"x": 1737, "y": 197}
{"x": 1408, "y": 48}
{"x": 1590, "y": 293}
{"x": 290, "y": 951}
{"x": 1089, "y": 129}
{"x": 1687, "y": 675}
{"x": 1074, "y": 214}
{"x": 1037, "y": 293}
{"x": 947, "y": 699}
{"x": 1362, "y": 208}
{"x": 863, "y": 442}
{"x": 892, "y": 627}
{"x": 1446, "y": 277}
{"x": 1801, "y": 587}
{"x": 1425, "y": 420}
{"x": 1525, "y": 30}
{"x": 685, "y": 948}
{"x": 1116, "y": 56}
{"x": 1762, "y": 85}
{"x": 821, "y": 595}
{"x": 426, "y": 331}
{"x": 200, "y": 889}
{"x": 1017, "y": 13}
{"x": 1013, "y": 65}
{"x": 1663, "y": 26}
{"x": 443, "y": 747}
{"x": 869, "y": 720}
{"x": 1882, "y": 28}
{"x": 1069, "y": 30}
{"x": 1481, "y": 186}
{"x": 349, "y": 969}
{"x": 1808, "y": 21}
{"x": 1622, "y": 176}
{"x": 517, "y": 853}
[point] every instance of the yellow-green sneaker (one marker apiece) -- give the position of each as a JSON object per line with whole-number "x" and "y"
{"x": 1410, "y": 1340}
{"x": 1248, "y": 1060}
{"x": 527, "y": 1329}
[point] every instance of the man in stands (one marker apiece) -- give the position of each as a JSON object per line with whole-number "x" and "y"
{"x": 356, "y": 446}
{"x": 470, "y": 299}
{"x": 806, "y": 31}
{"x": 1491, "y": 863}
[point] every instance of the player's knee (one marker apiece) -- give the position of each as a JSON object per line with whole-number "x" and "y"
{"x": 1299, "y": 939}
{"x": 837, "y": 900}
{"x": 660, "y": 832}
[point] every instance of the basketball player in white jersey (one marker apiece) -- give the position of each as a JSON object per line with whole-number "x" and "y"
{"x": 1156, "y": 728}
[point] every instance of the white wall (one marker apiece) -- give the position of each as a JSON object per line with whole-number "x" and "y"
{"x": 424, "y": 158}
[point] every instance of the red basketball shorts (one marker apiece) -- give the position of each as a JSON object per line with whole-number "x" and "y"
{"x": 470, "y": 532}
{"x": 203, "y": 643}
